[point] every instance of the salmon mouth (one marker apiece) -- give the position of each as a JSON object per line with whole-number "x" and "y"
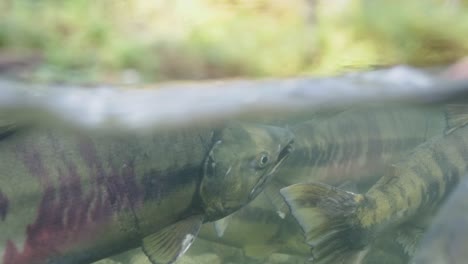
{"x": 282, "y": 156}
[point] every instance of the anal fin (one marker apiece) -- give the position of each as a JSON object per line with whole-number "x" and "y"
{"x": 326, "y": 214}
{"x": 167, "y": 245}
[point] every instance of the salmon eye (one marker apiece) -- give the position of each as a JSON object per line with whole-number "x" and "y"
{"x": 263, "y": 159}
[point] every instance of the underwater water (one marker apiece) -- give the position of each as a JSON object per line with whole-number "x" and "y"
{"x": 353, "y": 150}
{"x": 352, "y": 169}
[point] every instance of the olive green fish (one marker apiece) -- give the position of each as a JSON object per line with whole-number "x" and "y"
{"x": 339, "y": 224}
{"x": 372, "y": 136}
{"x": 69, "y": 196}
{"x": 354, "y": 146}
{"x": 446, "y": 241}
{"x": 259, "y": 231}
{"x": 357, "y": 143}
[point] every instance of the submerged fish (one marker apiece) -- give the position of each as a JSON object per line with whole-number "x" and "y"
{"x": 371, "y": 136}
{"x": 339, "y": 224}
{"x": 73, "y": 197}
{"x": 357, "y": 143}
{"x": 354, "y": 146}
{"x": 259, "y": 231}
{"x": 446, "y": 241}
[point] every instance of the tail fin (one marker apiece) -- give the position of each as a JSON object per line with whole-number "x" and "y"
{"x": 327, "y": 216}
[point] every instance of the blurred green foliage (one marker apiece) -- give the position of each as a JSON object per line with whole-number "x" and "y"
{"x": 103, "y": 40}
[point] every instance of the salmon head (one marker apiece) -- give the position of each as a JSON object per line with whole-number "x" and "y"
{"x": 242, "y": 160}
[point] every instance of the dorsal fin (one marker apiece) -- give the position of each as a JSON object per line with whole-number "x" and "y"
{"x": 456, "y": 116}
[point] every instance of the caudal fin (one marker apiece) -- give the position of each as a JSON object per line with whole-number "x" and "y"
{"x": 327, "y": 216}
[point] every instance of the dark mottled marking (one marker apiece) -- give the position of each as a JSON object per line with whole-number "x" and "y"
{"x": 424, "y": 196}
{"x": 4, "y": 204}
{"x": 432, "y": 192}
{"x": 450, "y": 175}
{"x": 424, "y": 174}
{"x": 369, "y": 203}
{"x": 451, "y": 182}
{"x": 347, "y": 152}
{"x": 323, "y": 155}
{"x": 307, "y": 153}
{"x": 315, "y": 156}
{"x": 327, "y": 157}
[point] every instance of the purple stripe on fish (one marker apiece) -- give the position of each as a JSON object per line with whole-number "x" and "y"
{"x": 61, "y": 216}
{"x": 120, "y": 186}
{"x": 68, "y": 213}
{"x": 32, "y": 160}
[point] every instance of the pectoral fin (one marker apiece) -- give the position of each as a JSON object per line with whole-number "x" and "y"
{"x": 167, "y": 245}
{"x": 221, "y": 225}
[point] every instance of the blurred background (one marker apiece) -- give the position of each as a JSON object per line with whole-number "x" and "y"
{"x": 141, "y": 41}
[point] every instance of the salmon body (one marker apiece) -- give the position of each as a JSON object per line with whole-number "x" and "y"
{"x": 351, "y": 146}
{"x": 259, "y": 231}
{"x": 357, "y": 144}
{"x": 72, "y": 197}
{"x": 340, "y": 224}
{"x": 67, "y": 196}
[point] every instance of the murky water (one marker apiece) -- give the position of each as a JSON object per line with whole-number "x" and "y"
{"x": 349, "y": 169}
